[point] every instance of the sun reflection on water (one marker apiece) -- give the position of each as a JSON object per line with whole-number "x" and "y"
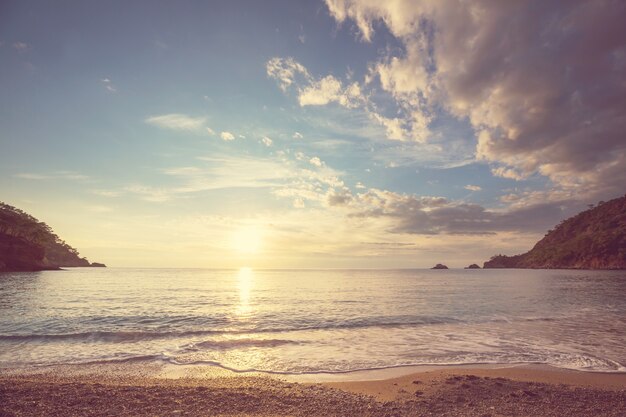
{"x": 245, "y": 282}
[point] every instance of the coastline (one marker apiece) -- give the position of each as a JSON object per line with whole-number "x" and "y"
{"x": 470, "y": 390}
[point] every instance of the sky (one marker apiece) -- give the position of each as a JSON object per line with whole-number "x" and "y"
{"x": 310, "y": 134}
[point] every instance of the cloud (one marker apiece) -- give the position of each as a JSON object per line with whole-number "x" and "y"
{"x": 316, "y": 161}
{"x": 220, "y": 172}
{"x": 56, "y": 175}
{"x": 210, "y": 131}
{"x": 148, "y": 193}
{"x": 283, "y": 177}
{"x": 311, "y": 92}
{"x": 107, "y": 193}
{"x": 266, "y": 141}
{"x": 297, "y": 135}
{"x": 108, "y": 85}
{"x": 216, "y": 173}
{"x": 473, "y": 187}
{"x": 328, "y": 90}
{"x": 298, "y": 203}
{"x": 339, "y": 197}
{"x": 302, "y": 36}
{"x": 177, "y": 121}
{"x": 286, "y": 71}
{"x": 21, "y": 46}
{"x": 227, "y": 136}
{"x": 412, "y": 125}
{"x": 438, "y": 215}
{"x": 541, "y": 85}
{"x": 509, "y": 173}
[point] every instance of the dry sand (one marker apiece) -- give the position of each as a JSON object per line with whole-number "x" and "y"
{"x": 515, "y": 391}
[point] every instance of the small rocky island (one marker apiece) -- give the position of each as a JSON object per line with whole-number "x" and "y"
{"x": 439, "y": 266}
{"x": 592, "y": 239}
{"x": 26, "y": 244}
{"x": 472, "y": 266}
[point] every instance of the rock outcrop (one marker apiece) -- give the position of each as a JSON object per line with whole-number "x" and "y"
{"x": 26, "y": 244}
{"x": 593, "y": 239}
{"x": 439, "y": 266}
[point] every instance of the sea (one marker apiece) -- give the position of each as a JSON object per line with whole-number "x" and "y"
{"x": 294, "y": 322}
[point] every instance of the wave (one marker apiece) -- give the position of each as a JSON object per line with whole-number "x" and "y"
{"x": 139, "y": 335}
{"x": 241, "y": 343}
{"x": 104, "y": 336}
{"x": 125, "y": 336}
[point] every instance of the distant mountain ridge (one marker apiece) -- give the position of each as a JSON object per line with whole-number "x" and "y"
{"x": 26, "y": 244}
{"x": 592, "y": 239}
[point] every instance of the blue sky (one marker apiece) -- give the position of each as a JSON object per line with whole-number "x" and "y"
{"x": 307, "y": 134}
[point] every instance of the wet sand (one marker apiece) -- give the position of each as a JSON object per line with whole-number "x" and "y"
{"x": 445, "y": 391}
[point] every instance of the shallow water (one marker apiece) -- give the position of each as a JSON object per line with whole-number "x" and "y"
{"x": 308, "y": 321}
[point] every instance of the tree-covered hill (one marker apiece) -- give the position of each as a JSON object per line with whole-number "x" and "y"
{"x": 592, "y": 239}
{"x": 26, "y": 244}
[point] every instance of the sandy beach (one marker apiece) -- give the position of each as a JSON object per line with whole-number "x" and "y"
{"x": 445, "y": 391}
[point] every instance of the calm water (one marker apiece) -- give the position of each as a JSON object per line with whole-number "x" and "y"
{"x": 312, "y": 321}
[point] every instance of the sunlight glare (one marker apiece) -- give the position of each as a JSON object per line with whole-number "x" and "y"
{"x": 245, "y": 280}
{"x": 247, "y": 240}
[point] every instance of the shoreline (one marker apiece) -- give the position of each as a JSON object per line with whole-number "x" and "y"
{"x": 472, "y": 390}
{"x": 162, "y": 370}
{"x": 167, "y": 370}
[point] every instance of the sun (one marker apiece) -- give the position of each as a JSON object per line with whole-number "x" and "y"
{"x": 247, "y": 240}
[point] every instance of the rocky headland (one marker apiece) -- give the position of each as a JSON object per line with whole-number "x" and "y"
{"x": 26, "y": 244}
{"x": 592, "y": 239}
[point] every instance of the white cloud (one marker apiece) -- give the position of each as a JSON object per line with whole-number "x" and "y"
{"x": 227, "y": 136}
{"x": 266, "y": 141}
{"x": 107, "y": 193}
{"x": 302, "y": 36}
{"x": 297, "y": 135}
{"x": 509, "y": 173}
{"x": 412, "y": 124}
{"x": 394, "y": 127}
{"x": 473, "y": 187}
{"x": 148, "y": 193}
{"x": 210, "y": 131}
{"x": 108, "y": 85}
{"x": 220, "y": 172}
{"x": 285, "y": 71}
{"x": 329, "y": 89}
{"x": 284, "y": 177}
{"x": 177, "y": 121}
{"x": 311, "y": 92}
{"x": 56, "y": 175}
{"x": 543, "y": 90}
{"x": 316, "y": 161}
